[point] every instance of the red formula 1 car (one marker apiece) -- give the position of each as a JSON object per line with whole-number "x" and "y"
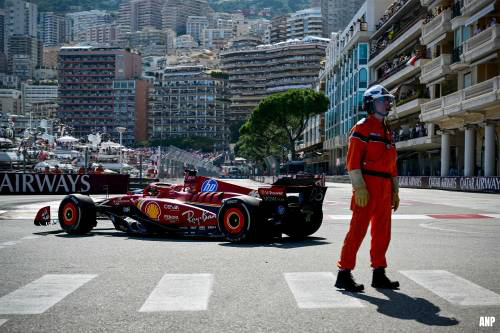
{"x": 202, "y": 206}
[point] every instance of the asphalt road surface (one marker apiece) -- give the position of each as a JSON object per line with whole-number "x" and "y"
{"x": 444, "y": 251}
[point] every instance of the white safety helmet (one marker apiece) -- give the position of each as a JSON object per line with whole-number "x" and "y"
{"x": 373, "y": 93}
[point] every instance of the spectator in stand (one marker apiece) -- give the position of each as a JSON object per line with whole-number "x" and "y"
{"x": 46, "y": 170}
{"x": 81, "y": 171}
{"x": 99, "y": 169}
{"x": 56, "y": 170}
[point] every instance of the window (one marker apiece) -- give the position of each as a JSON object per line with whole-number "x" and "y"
{"x": 363, "y": 78}
{"x": 363, "y": 53}
{"x": 467, "y": 80}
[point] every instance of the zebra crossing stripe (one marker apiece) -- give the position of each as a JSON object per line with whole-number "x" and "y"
{"x": 453, "y": 288}
{"x": 30, "y": 237}
{"x": 180, "y": 292}
{"x": 314, "y": 290}
{"x": 39, "y": 295}
{"x": 10, "y": 243}
{"x": 2, "y": 321}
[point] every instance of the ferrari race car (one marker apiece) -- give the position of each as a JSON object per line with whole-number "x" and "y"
{"x": 202, "y": 206}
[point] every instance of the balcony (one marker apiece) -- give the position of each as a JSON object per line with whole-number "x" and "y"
{"x": 482, "y": 44}
{"x": 436, "y": 27}
{"x": 401, "y": 73}
{"x": 407, "y": 107}
{"x": 412, "y": 32}
{"x": 436, "y": 68}
{"x": 472, "y": 6}
{"x": 420, "y": 143}
{"x": 479, "y": 97}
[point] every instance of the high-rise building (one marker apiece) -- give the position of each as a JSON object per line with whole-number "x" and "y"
{"x": 255, "y": 73}
{"x": 82, "y": 21}
{"x": 195, "y": 26}
{"x": 189, "y": 101}
{"x": 463, "y": 80}
{"x": 347, "y": 78}
{"x": 106, "y": 34}
{"x": 176, "y": 12}
{"x": 100, "y": 89}
{"x": 55, "y": 29}
{"x": 34, "y": 93}
{"x": 215, "y": 39}
{"x": 278, "y": 29}
{"x": 337, "y": 13}
{"x": 307, "y": 22}
{"x": 3, "y": 43}
{"x": 399, "y": 62}
{"x": 135, "y": 15}
{"x": 21, "y": 18}
{"x": 25, "y": 48}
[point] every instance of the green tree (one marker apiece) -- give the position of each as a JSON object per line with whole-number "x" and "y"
{"x": 279, "y": 121}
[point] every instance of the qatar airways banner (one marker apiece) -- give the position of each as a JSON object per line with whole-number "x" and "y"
{"x": 467, "y": 184}
{"x": 35, "y": 183}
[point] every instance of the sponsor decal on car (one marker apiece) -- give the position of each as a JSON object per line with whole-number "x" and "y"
{"x": 152, "y": 210}
{"x": 171, "y": 207}
{"x": 171, "y": 218}
{"x": 198, "y": 219}
{"x": 209, "y": 185}
{"x": 272, "y": 194}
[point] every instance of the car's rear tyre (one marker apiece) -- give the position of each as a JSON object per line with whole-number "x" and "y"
{"x": 77, "y": 214}
{"x": 300, "y": 226}
{"x": 234, "y": 222}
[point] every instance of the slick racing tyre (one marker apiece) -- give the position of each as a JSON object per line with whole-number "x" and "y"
{"x": 77, "y": 214}
{"x": 304, "y": 224}
{"x": 234, "y": 222}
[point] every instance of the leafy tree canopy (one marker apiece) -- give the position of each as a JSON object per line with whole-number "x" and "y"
{"x": 278, "y": 122}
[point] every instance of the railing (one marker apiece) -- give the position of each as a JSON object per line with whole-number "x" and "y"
{"x": 464, "y": 95}
{"x": 431, "y": 106}
{"x": 436, "y": 22}
{"x": 401, "y": 32}
{"x": 474, "y": 4}
{"x": 481, "y": 38}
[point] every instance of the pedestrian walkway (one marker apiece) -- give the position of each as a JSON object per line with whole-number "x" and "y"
{"x": 192, "y": 292}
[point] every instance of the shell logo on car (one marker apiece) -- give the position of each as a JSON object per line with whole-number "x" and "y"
{"x": 152, "y": 210}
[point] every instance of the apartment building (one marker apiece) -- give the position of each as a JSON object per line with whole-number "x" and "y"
{"x": 195, "y": 26}
{"x": 257, "y": 72}
{"x": 462, "y": 38}
{"x": 278, "y": 29}
{"x": 337, "y": 13}
{"x": 100, "y": 34}
{"x": 82, "y": 21}
{"x": 100, "y": 89}
{"x": 215, "y": 39}
{"x": 41, "y": 92}
{"x": 188, "y": 101}
{"x": 135, "y": 15}
{"x": 307, "y": 22}
{"x": 398, "y": 61}
{"x": 176, "y": 12}
{"x": 55, "y": 29}
{"x": 346, "y": 78}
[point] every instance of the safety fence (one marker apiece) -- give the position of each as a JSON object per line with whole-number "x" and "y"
{"x": 37, "y": 183}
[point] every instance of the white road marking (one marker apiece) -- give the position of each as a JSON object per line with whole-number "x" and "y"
{"x": 495, "y": 216}
{"x": 394, "y": 217}
{"x": 314, "y": 290}
{"x": 453, "y": 288}
{"x": 432, "y": 226}
{"x": 2, "y": 211}
{"x": 2, "y": 321}
{"x": 10, "y": 243}
{"x": 30, "y": 237}
{"x": 180, "y": 292}
{"x": 39, "y": 295}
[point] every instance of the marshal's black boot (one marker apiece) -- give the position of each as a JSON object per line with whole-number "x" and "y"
{"x": 346, "y": 281}
{"x": 380, "y": 280}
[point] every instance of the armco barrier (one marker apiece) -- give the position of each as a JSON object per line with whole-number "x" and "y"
{"x": 36, "y": 183}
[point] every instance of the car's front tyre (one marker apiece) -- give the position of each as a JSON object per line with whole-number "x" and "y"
{"x": 77, "y": 214}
